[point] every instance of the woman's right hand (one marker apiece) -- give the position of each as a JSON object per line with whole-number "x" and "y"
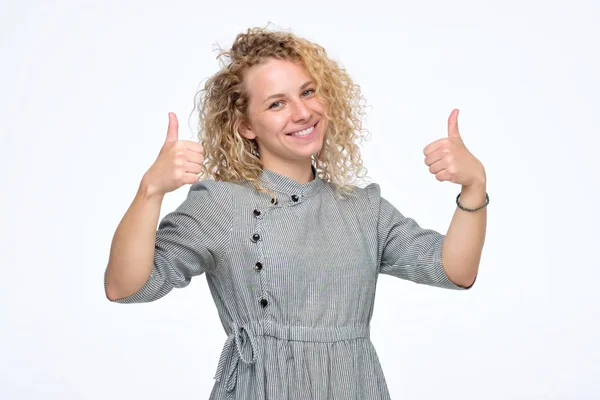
{"x": 178, "y": 163}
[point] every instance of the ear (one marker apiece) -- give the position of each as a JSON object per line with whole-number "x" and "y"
{"x": 246, "y": 131}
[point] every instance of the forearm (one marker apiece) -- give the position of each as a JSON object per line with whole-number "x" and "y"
{"x": 132, "y": 250}
{"x": 463, "y": 245}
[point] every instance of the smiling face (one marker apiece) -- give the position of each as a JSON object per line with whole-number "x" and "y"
{"x": 285, "y": 116}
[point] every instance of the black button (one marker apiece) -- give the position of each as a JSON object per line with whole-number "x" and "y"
{"x": 256, "y": 213}
{"x": 274, "y": 201}
{"x": 295, "y": 198}
{"x": 255, "y": 237}
{"x": 263, "y": 302}
{"x": 259, "y": 266}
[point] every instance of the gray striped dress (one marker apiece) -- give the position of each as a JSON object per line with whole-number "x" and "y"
{"x": 293, "y": 281}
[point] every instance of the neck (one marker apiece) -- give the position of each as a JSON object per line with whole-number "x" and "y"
{"x": 299, "y": 172}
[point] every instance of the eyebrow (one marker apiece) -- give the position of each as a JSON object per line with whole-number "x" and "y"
{"x": 308, "y": 83}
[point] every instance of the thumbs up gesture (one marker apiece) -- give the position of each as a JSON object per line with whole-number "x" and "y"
{"x": 178, "y": 163}
{"x": 449, "y": 160}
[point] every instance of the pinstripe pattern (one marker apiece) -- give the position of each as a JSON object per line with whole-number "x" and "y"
{"x": 294, "y": 283}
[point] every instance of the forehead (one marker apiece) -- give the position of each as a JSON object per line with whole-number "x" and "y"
{"x": 274, "y": 76}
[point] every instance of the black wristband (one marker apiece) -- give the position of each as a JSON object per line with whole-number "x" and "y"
{"x": 487, "y": 201}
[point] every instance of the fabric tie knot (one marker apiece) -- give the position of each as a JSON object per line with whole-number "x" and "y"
{"x": 240, "y": 345}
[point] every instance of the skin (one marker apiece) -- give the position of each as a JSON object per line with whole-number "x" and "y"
{"x": 295, "y": 107}
{"x": 282, "y": 100}
{"x": 449, "y": 160}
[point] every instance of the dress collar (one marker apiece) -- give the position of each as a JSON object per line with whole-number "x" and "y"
{"x": 283, "y": 184}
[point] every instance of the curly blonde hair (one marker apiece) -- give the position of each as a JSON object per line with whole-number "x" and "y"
{"x": 222, "y": 105}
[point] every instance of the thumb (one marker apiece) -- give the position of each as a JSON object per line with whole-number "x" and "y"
{"x": 453, "y": 124}
{"x": 173, "y": 130}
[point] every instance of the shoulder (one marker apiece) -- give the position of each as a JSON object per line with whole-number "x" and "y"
{"x": 207, "y": 197}
{"x": 362, "y": 199}
{"x": 370, "y": 192}
{"x": 210, "y": 189}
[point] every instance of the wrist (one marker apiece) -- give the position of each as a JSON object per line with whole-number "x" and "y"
{"x": 478, "y": 184}
{"x": 479, "y": 181}
{"x": 474, "y": 195}
{"x": 477, "y": 187}
{"x": 148, "y": 191}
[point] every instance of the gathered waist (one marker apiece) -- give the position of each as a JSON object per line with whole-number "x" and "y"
{"x": 241, "y": 342}
{"x": 303, "y": 333}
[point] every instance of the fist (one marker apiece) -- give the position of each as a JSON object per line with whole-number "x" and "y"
{"x": 179, "y": 162}
{"x": 449, "y": 159}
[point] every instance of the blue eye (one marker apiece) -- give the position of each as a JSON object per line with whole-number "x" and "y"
{"x": 310, "y": 91}
{"x": 277, "y": 102}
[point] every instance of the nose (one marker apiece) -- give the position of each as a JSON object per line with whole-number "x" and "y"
{"x": 301, "y": 113}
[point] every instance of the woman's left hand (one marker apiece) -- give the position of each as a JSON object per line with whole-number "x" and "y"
{"x": 449, "y": 160}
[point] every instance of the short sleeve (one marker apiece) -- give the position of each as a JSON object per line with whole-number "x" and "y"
{"x": 406, "y": 250}
{"x": 187, "y": 241}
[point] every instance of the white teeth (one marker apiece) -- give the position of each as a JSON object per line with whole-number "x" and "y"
{"x": 304, "y": 132}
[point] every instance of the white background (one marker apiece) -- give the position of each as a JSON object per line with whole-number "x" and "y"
{"x": 85, "y": 91}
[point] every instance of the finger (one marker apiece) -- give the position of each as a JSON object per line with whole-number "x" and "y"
{"x": 437, "y": 167}
{"x": 453, "y": 124}
{"x": 191, "y": 145}
{"x": 443, "y": 175}
{"x": 173, "y": 129}
{"x": 190, "y": 178}
{"x": 192, "y": 167}
{"x": 194, "y": 157}
{"x": 434, "y": 146}
{"x": 435, "y": 156}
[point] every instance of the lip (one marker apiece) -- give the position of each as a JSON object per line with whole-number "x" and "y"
{"x": 309, "y": 136}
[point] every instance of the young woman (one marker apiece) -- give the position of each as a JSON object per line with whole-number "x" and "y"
{"x": 291, "y": 248}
